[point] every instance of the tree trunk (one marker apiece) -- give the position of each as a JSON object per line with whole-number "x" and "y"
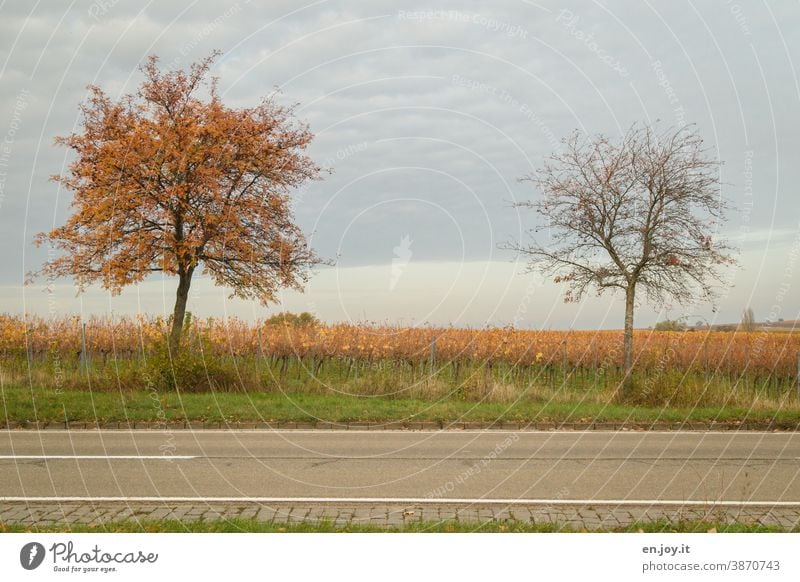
{"x": 179, "y": 313}
{"x": 627, "y": 380}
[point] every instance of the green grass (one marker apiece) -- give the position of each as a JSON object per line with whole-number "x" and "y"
{"x": 216, "y": 389}
{"x": 24, "y": 404}
{"x": 244, "y": 525}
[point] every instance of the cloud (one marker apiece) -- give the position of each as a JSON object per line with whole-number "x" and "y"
{"x": 453, "y": 106}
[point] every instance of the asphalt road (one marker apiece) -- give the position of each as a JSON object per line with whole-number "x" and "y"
{"x": 545, "y": 466}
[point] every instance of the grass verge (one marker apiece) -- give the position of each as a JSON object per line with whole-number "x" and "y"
{"x": 21, "y": 404}
{"x": 252, "y": 526}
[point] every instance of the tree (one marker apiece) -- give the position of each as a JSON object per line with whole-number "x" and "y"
{"x": 304, "y": 319}
{"x": 638, "y": 213}
{"x": 748, "y": 320}
{"x": 165, "y": 181}
{"x": 671, "y": 325}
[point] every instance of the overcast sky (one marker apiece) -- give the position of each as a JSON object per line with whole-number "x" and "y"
{"x": 428, "y": 113}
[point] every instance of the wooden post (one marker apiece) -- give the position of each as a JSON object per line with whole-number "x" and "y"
{"x": 29, "y": 345}
{"x": 260, "y": 345}
{"x": 798, "y": 376}
{"x": 433, "y": 355}
{"x": 84, "y": 358}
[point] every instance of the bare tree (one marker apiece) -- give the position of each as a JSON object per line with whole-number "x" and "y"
{"x": 638, "y": 213}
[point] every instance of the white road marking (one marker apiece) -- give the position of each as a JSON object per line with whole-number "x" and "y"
{"x": 406, "y": 500}
{"x": 98, "y": 457}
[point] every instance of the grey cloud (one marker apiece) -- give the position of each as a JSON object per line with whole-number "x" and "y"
{"x": 406, "y": 86}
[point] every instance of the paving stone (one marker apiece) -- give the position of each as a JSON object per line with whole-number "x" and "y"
{"x": 265, "y": 514}
{"x": 521, "y": 514}
{"x": 298, "y": 514}
{"x": 178, "y": 513}
{"x": 58, "y": 515}
{"x": 329, "y": 513}
{"x": 282, "y": 514}
{"x": 593, "y": 523}
{"x": 248, "y": 513}
{"x": 361, "y": 513}
{"x": 787, "y": 522}
{"x": 82, "y": 519}
{"x": 159, "y": 514}
{"x": 466, "y": 514}
{"x": 768, "y": 520}
{"x": 542, "y": 517}
{"x": 14, "y": 515}
{"x": 390, "y": 515}
{"x": 430, "y": 514}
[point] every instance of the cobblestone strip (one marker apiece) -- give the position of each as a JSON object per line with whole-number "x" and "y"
{"x": 395, "y": 516}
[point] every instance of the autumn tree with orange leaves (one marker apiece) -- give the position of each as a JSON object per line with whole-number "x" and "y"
{"x": 167, "y": 181}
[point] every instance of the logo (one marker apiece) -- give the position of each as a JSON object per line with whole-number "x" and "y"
{"x": 402, "y": 256}
{"x": 31, "y": 555}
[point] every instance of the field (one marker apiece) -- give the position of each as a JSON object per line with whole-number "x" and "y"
{"x": 755, "y": 370}
{"x": 761, "y": 353}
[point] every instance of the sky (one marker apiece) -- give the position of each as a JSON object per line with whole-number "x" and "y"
{"x": 427, "y": 114}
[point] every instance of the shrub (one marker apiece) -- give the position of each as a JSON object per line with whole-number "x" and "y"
{"x": 674, "y": 389}
{"x": 192, "y": 370}
{"x": 671, "y": 325}
{"x": 295, "y": 320}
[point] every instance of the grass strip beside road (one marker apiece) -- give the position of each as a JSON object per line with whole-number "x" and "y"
{"x": 253, "y": 526}
{"x": 21, "y": 404}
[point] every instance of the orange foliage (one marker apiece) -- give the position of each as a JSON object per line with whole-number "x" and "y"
{"x": 166, "y": 181}
{"x": 761, "y": 353}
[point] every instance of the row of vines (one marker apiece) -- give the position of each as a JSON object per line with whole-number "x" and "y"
{"x": 765, "y": 354}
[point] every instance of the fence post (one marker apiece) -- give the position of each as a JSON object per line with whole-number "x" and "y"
{"x": 29, "y": 345}
{"x": 797, "y": 380}
{"x": 84, "y": 359}
{"x": 260, "y": 345}
{"x": 433, "y": 355}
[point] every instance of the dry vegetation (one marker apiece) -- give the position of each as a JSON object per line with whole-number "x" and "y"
{"x": 690, "y": 368}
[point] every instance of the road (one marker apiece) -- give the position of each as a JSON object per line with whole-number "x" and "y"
{"x": 544, "y": 467}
